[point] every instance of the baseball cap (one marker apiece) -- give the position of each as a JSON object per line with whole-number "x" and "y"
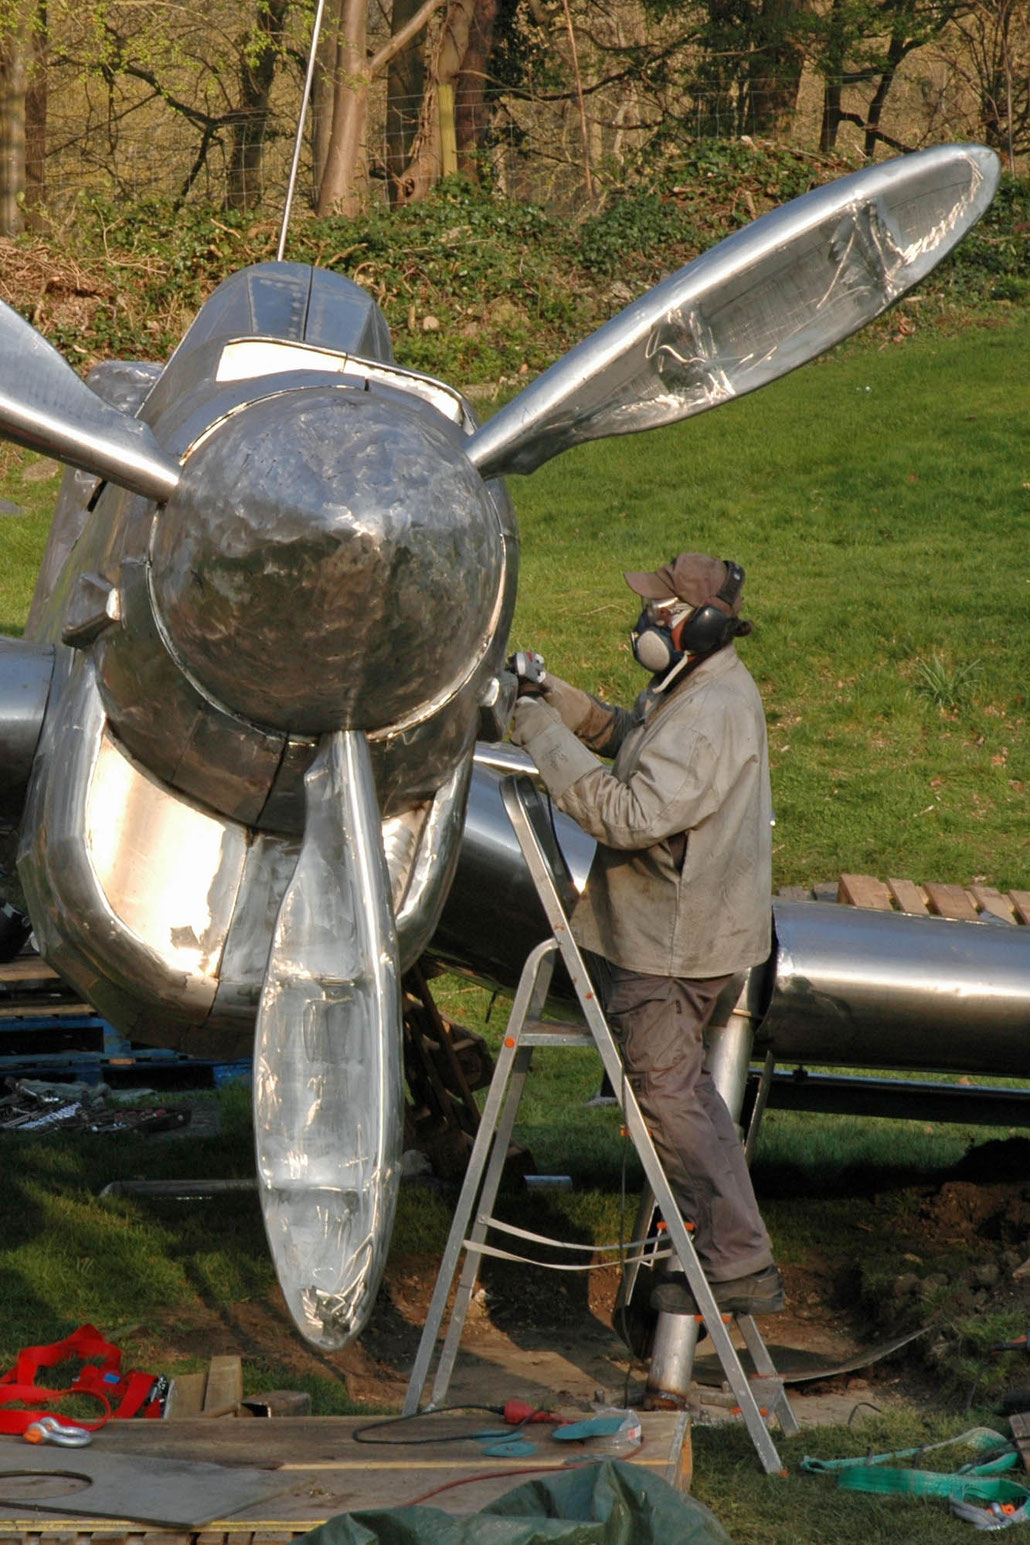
{"x": 692, "y": 577}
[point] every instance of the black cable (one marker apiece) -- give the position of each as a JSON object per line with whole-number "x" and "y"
{"x": 395, "y": 1421}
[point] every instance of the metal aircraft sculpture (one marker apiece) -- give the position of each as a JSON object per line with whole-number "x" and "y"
{"x": 271, "y": 624}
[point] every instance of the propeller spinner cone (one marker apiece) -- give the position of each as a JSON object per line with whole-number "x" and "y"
{"x": 331, "y": 560}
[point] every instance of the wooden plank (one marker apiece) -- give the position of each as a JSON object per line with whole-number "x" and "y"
{"x": 1020, "y": 1425}
{"x": 327, "y": 1472}
{"x": 909, "y": 896}
{"x": 24, "y": 1007}
{"x": 186, "y": 1397}
{"x": 988, "y": 899}
{"x": 27, "y": 968}
{"x": 863, "y": 890}
{"x": 224, "y": 1389}
{"x": 1021, "y": 904}
{"x": 950, "y": 901}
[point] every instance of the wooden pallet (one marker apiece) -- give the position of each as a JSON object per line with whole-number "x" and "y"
{"x": 327, "y": 1473}
{"x": 962, "y": 903}
{"x": 29, "y": 988}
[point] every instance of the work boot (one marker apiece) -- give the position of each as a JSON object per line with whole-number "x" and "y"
{"x": 759, "y": 1293}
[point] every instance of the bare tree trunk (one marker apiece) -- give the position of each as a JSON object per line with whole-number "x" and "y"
{"x": 833, "y": 80}
{"x": 470, "y": 113}
{"x": 774, "y": 70}
{"x": 36, "y": 122}
{"x": 344, "y": 182}
{"x": 831, "y": 114}
{"x": 424, "y": 168}
{"x": 250, "y": 124}
{"x": 588, "y": 175}
{"x": 15, "y": 62}
{"x": 327, "y": 70}
{"x": 405, "y": 84}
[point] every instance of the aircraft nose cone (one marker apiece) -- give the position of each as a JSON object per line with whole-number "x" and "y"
{"x": 330, "y": 560}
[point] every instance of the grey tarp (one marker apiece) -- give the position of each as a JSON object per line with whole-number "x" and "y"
{"x": 599, "y": 1504}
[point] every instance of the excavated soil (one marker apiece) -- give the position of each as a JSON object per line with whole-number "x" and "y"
{"x": 949, "y": 1259}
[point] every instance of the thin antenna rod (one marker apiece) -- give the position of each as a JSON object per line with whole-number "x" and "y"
{"x": 302, "y": 118}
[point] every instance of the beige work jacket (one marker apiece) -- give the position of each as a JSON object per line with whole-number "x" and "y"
{"x": 681, "y": 881}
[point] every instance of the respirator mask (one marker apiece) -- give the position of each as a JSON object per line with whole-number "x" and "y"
{"x": 651, "y": 638}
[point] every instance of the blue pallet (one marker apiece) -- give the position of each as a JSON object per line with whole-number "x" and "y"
{"x": 112, "y": 1055}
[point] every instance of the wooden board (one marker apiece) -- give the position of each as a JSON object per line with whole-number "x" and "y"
{"x": 224, "y": 1388}
{"x": 862, "y": 890}
{"x": 909, "y": 896}
{"x": 27, "y": 968}
{"x": 950, "y": 901}
{"x": 329, "y": 1472}
{"x": 990, "y": 900}
{"x": 1020, "y": 1425}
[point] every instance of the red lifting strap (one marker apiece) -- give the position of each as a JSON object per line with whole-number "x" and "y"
{"x": 120, "y": 1395}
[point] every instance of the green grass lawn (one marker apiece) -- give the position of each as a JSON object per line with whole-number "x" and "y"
{"x": 880, "y": 502}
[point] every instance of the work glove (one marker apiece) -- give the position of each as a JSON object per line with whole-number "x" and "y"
{"x": 559, "y": 756}
{"x": 530, "y": 718}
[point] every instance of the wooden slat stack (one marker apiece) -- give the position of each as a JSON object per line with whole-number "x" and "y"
{"x": 968, "y": 904}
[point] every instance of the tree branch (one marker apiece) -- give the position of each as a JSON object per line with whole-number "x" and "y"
{"x": 403, "y": 37}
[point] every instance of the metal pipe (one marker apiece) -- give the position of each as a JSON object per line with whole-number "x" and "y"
{"x": 907, "y": 1099}
{"x": 859, "y": 988}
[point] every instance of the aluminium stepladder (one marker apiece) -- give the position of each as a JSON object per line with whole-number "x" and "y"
{"x": 527, "y": 1029}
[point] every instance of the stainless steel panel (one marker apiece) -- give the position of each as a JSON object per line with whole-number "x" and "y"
{"x": 124, "y": 384}
{"x": 761, "y": 302}
{"x": 877, "y": 989}
{"x": 44, "y": 405}
{"x": 328, "y": 1097}
{"x": 304, "y": 574}
{"x": 492, "y": 917}
{"x": 169, "y": 725}
{"x": 143, "y": 899}
{"x": 26, "y": 670}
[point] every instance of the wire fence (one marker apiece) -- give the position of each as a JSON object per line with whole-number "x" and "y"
{"x": 130, "y": 147}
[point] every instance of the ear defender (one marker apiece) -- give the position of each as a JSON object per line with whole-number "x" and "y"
{"x": 713, "y": 625}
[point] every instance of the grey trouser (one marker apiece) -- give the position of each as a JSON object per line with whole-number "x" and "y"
{"x": 658, "y": 1023}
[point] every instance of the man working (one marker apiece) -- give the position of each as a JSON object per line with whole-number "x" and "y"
{"x": 677, "y": 899}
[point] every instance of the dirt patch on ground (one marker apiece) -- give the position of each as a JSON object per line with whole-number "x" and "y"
{"x": 949, "y": 1259}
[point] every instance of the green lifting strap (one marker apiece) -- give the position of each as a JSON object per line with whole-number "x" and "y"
{"x": 1008, "y": 1502}
{"x": 965, "y": 1487}
{"x": 982, "y": 1440}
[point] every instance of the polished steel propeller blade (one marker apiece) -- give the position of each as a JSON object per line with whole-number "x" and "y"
{"x": 45, "y": 406}
{"x": 754, "y": 307}
{"x": 328, "y": 1097}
